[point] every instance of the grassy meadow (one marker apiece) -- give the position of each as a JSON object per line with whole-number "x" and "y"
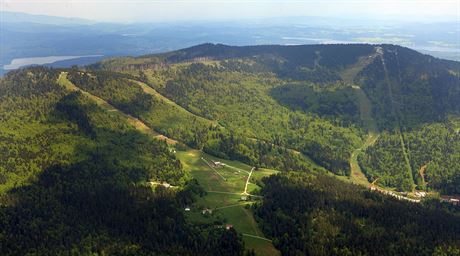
{"x": 224, "y": 196}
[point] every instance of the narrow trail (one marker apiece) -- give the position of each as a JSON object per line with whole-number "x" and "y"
{"x": 210, "y": 166}
{"x": 149, "y": 90}
{"x": 247, "y": 182}
{"x": 297, "y": 152}
{"x": 370, "y": 124}
{"x": 421, "y": 172}
{"x": 142, "y": 127}
{"x": 349, "y": 74}
{"x": 395, "y": 112}
{"x": 317, "y": 59}
{"x": 252, "y": 221}
{"x": 231, "y": 193}
{"x": 365, "y": 110}
{"x": 233, "y": 205}
{"x": 357, "y": 174}
{"x": 135, "y": 122}
{"x": 235, "y": 168}
{"x": 223, "y": 192}
{"x": 259, "y": 237}
{"x": 406, "y": 156}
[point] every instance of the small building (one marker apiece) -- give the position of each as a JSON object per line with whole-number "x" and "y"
{"x": 206, "y": 211}
{"x": 228, "y": 226}
{"x": 218, "y": 164}
{"x": 187, "y": 209}
{"x": 420, "y": 193}
{"x": 244, "y": 198}
{"x": 454, "y": 201}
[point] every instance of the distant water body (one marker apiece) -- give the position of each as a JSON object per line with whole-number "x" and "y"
{"x": 21, "y": 62}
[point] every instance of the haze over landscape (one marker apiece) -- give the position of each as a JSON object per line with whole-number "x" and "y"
{"x": 261, "y": 127}
{"x": 122, "y": 28}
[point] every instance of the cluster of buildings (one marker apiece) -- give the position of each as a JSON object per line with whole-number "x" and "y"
{"x": 226, "y": 226}
{"x": 451, "y": 199}
{"x": 205, "y": 211}
{"x": 393, "y": 194}
{"x": 454, "y": 200}
{"x": 208, "y": 211}
{"x": 420, "y": 194}
{"x": 164, "y": 184}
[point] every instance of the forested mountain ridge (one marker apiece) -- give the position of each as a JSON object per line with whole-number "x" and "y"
{"x": 74, "y": 179}
{"x": 177, "y": 123}
{"x": 403, "y": 91}
{"x": 83, "y": 176}
{"x": 411, "y": 75}
{"x": 422, "y": 89}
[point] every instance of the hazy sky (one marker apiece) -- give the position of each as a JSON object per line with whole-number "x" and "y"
{"x": 170, "y": 10}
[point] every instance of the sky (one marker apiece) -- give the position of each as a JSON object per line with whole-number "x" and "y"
{"x": 178, "y": 10}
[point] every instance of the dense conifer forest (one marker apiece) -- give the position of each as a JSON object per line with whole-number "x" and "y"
{"x": 319, "y": 215}
{"x": 90, "y": 155}
{"x": 412, "y": 99}
{"x": 86, "y": 193}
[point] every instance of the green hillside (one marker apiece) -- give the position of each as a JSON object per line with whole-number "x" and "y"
{"x": 159, "y": 154}
{"x": 317, "y": 215}
{"x": 314, "y": 94}
{"x": 74, "y": 179}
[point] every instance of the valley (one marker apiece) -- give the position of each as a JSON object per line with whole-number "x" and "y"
{"x": 230, "y": 128}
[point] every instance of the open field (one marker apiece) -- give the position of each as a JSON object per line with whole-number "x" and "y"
{"x": 260, "y": 246}
{"x": 357, "y": 176}
{"x": 365, "y": 109}
{"x": 224, "y": 196}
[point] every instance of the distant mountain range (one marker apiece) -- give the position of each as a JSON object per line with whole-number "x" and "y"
{"x": 19, "y": 17}
{"x": 25, "y": 35}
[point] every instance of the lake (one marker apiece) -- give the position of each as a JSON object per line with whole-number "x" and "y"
{"x": 21, "y": 62}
